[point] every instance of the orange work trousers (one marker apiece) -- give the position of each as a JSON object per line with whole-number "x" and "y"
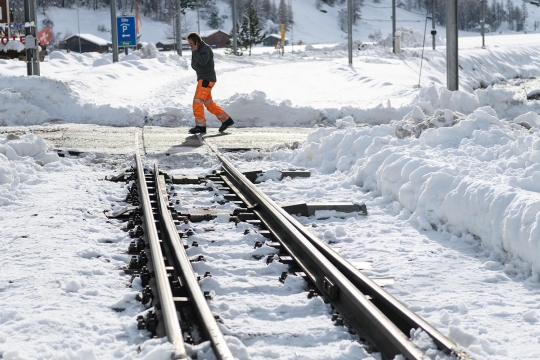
{"x": 203, "y": 97}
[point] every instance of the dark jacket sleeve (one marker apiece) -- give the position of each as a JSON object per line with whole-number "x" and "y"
{"x": 202, "y": 56}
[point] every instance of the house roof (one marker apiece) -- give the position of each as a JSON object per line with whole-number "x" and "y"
{"x": 208, "y": 33}
{"x": 275, "y": 36}
{"x": 171, "y": 42}
{"x": 93, "y": 39}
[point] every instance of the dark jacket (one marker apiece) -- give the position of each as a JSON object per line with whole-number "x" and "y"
{"x": 202, "y": 61}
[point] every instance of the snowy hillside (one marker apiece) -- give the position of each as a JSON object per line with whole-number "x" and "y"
{"x": 311, "y": 25}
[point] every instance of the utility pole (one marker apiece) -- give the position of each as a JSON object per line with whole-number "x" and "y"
{"x": 79, "y": 26}
{"x": 483, "y": 22}
{"x": 349, "y": 28}
{"x": 8, "y": 12}
{"x": 394, "y": 26}
{"x": 114, "y": 31}
{"x": 433, "y": 31}
{"x": 198, "y": 25}
{"x": 31, "y": 40}
{"x": 452, "y": 66}
{"x": 178, "y": 29}
{"x": 234, "y": 26}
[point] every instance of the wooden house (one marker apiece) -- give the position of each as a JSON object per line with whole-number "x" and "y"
{"x": 89, "y": 43}
{"x": 215, "y": 38}
{"x": 272, "y": 39}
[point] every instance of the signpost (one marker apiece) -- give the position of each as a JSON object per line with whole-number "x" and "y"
{"x": 127, "y": 31}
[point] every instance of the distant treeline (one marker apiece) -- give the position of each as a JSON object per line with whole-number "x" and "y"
{"x": 281, "y": 11}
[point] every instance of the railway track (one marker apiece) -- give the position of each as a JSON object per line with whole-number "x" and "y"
{"x": 178, "y": 309}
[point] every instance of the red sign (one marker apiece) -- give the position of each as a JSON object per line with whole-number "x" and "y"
{"x": 44, "y": 36}
{"x": 5, "y": 39}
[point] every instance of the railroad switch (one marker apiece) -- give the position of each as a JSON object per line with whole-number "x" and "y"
{"x": 130, "y": 225}
{"x": 285, "y": 259}
{"x": 198, "y": 258}
{"x": 123, "y": 214}
{"x": 141, "y": 325}
{"x": 137, "y": 232}
{"x": 254, "y": 222}
{"x": 243, "y": 214}
{"x": 269, "y": 259}
{"x": 132, "y": 249}
{"x": 151, "y": 323}
{"x": 146, "y": 296}
{"x": 312, "y": 293}
{"x": 176, "y": 288}
{"x": 143, "y": 259}
{"x": 206, "y": 274}
{"x": 145, "y": 276}
{"x": 141, "y": 245}
{"x": 181, "y": 302}
{"x": 265, "y": 233}
{"x": 330, "y": 289}
{"x": 187, "y": 179}
{"x": 125, "y": 176}
{"x": 188, "y": 339}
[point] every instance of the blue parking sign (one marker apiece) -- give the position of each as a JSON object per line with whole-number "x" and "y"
{"x": 126, "y": 31}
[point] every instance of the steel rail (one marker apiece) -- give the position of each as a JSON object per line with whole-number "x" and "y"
{"x": 167, "y": 306}
{"x": 369, "y": 322}
{"x": 187, "y": 275}
{"x": 400, "y": 315}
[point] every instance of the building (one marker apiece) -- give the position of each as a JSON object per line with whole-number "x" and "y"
{"x": 169, "y": 45}
{"x": 216, "y": 38}
{"x": 89, "y": 43}
{"x": 272, "y": 39}
{"x": 4, "y": 12}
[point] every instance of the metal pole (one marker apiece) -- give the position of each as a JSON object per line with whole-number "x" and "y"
{"x": 292, "y": 32}
{"x": 178, "y": 34}
{"x": 483, "y": 22}
{"x": 79, "y": 27}
{"x": 349, "y": 28}
{"x": 394, "y": 26}
{"x": 8, "y": 12}
{"x": 114, "y": 31}
{"x": 33, "y": 31}
{"x": 433, "y": 31}
{"x": 452, "y": 45}
{"x": 27, "y": 31}
{"x": 234, "y": 25}
{"x": 198, "y": 25}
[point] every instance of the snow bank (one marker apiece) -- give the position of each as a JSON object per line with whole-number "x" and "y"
{"x": 21, "y": 160}
{"x": 479, "y": 176}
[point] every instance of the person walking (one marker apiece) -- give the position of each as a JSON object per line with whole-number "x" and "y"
{"x": 202, "y": 61}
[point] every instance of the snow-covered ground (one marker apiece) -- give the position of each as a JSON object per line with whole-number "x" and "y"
{"x": 451, "y": 180}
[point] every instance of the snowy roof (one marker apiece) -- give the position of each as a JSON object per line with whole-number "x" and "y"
{"x": 275, "y": 36}
{"x": 93, "y": 39}
{"x": 208, "y": 33}
{"x": 171, "y": 42}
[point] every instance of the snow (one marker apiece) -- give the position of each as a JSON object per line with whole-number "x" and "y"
{"x": 451, "y": 181}
{"x": 94, "y": 39}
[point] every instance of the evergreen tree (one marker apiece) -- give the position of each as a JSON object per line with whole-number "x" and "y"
{"x": 284, "y": 15}
{"x": 214, "y": 21}
{"x": 250, "y": 31}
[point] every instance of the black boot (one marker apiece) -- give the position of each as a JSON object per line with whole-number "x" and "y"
{"x": 226, "y": 124}
{"x": 198, "y": 130}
